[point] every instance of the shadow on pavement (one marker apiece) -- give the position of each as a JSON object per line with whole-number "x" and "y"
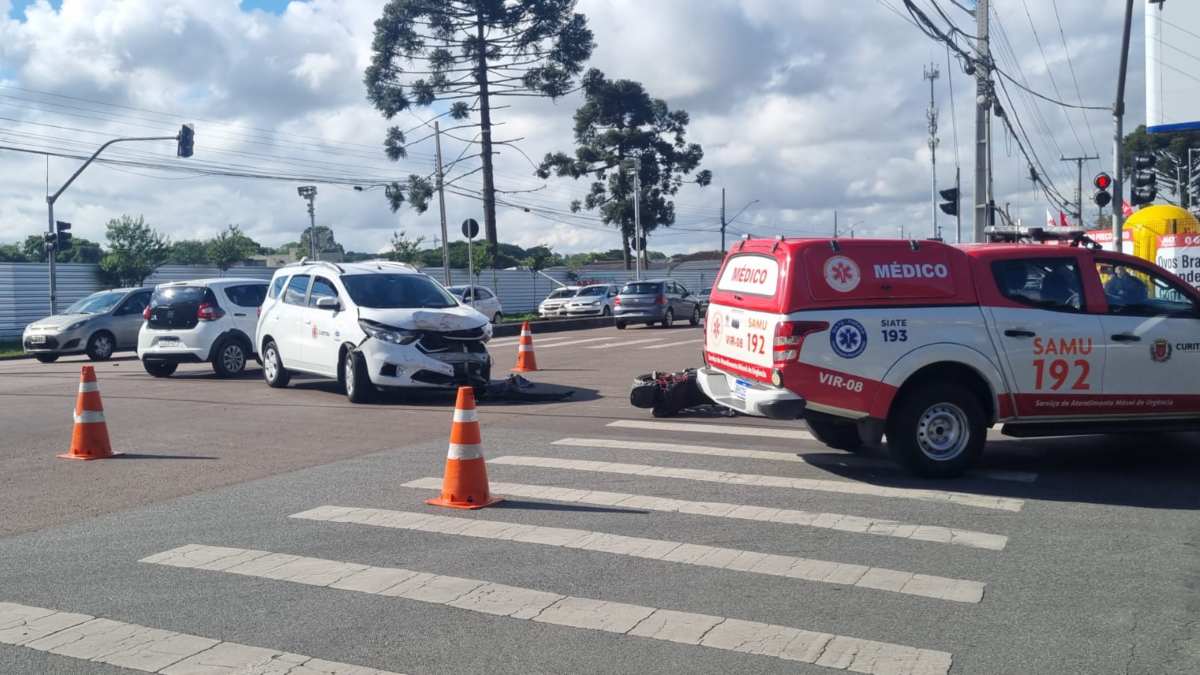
{"x": 547, "y": 506}
{"x": 139, "y": 455}
{"x": 1145, "y": 470}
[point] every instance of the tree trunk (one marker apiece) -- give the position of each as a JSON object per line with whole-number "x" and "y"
{"x": 485, "y": 131}
{"x": 625, "y": 249}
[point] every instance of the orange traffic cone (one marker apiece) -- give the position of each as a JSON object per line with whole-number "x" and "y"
{"x": 90, "y": 439}
{"x": 465, "y": 485}
{"x": 526, "y": 361}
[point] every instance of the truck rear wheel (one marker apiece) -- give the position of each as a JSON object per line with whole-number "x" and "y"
{"x": 937, "y": 430}
{"x": 836, "y": 433}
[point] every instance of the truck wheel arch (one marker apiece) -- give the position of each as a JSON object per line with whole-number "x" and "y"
{"x": 944, "y": 362}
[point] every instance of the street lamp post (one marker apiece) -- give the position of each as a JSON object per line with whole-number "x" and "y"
{"x": 309, "y": 192}
{"x": 184, "y": 139}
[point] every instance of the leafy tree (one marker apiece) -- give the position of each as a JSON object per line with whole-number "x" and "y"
{"x": 80, "y": 251}
{"x": 325, "y": 241}
{"x": 1171, "y": 149}
{"x": 619, "y": 121}
{"x": 403, "y": 248}
{"x": 455, "y": 51}
{"x": 12, "y": 253}
{"x": 188, "y": 252}
{"x": 539, "y": 258}
{"x": 135, "y": 250}
{"x": 229, "y": 247}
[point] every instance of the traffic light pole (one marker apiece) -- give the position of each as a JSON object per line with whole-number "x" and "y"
{"x": 50, "y": 199}
{"x": 983, "y": 125}
{"x": 1118, "y": 209}
{"x": 1079, "y": 185}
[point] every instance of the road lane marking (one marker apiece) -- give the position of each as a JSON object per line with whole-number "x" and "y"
{"x": 507, "y": 342}
{"x": 806, "y": 569}
{"x": 750, "y": 637}
{"x": 846, "y": 460}
{"x": 624, "y": 344}
{"x": 674, "y": 344}
{"x": 730, "y": 478}
{"x": 821, "y": 520}
{"x": 568, "y": 343}
{"x": 722, "y": 429}
{"x": 151, "y": 650}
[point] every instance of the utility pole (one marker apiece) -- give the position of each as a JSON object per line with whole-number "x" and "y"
{"x": 637, "y": 214}
{"x": 723, "y": 223}
{"x": 309, "y": 192}
{"x": 835, "y": 231}
{"x": 1118, "y": 217}
{"x": 983, "y": 123}
{"x": 437, "y": 143}
{"x": 931, "y": 73}
{"x": 1079, "y": 184}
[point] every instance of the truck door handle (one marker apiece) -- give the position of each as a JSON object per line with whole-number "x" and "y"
{"x": 1126, "y": 337}
{"x": 1017, "y": 333}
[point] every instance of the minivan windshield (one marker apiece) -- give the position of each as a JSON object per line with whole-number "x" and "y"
{"x": 96, "y": 303}
{"x": 397, "y": 291}
{"x": 642, "y": 288}
{"x": 593, "y": 290}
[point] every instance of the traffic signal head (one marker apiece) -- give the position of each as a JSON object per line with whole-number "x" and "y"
{"x": 1102, "y": 181}
{"x": 950, "y": 206}
{"x": 1144, "y": 182}
{"x": 186, "y": 138}
{"x": 62, "y": 235}
{"x": 1102, "y": 198}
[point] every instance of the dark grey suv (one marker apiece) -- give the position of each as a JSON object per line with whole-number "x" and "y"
{"x": 655, "y": 301}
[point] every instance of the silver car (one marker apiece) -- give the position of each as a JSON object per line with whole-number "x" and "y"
{"x": 594, "y": 300}
{"x": 98, "y": 325}
{"x": 655, "y": 301}
{"x": 553, "y": 304}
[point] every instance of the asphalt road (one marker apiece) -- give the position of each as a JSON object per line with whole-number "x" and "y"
{"x": 1059, "y": 556}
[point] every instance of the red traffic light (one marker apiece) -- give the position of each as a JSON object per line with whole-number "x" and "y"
{"x": 1102, "y": 181}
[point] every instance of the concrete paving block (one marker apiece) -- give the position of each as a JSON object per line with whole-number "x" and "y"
{"x": 614, "y": 617}
{"x": 433, "y": 588}
{"x": 261, "y": 566}
{"x": 231, "y": 657}
{"x": 884, "y": 579}
{"x": 96, "y": 638}
{"x": 550, "y": 536}
{"x": 684, "y": 627}
{"x": 20, "y": 624}
{"x": 158, "y": 654}
{"x": 373, "y": 580}
{"x": 501, "y": 600}
{"x": 314, "y": 571}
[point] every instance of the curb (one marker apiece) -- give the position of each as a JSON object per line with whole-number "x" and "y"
{"x": 552, "y": 326}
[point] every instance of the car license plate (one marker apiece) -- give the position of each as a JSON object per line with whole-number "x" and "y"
{"x": 739, "y": 389}
{"x": 37, "y": 339}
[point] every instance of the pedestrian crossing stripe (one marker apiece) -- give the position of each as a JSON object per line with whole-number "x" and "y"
{"x": 725, "y": 633}
{"x": 151, "y": 650}
{"x": 674, "y": 344}
{"x": 730, "y": 478}
{"x": 821, "y": 520}
{"x": 848, "y": 460}
{"x": 552, "y": 342}
{"x": 626, "y": 343}
{"x": 722, "y": 429}
{"x": 805, "y": 569}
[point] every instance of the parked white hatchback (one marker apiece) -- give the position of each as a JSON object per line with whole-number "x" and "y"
{"x": 209, "y": 320}
{"x": 373, "y": 324}
{"x": 482, "y": 299}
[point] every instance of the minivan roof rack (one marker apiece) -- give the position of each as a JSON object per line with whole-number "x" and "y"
{"x": 380, "y": 262}
{"x": 305, "y": 261}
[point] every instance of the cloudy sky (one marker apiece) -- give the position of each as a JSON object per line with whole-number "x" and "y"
{"x": 806, "y": 106}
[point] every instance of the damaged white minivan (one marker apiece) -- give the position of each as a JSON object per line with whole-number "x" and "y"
{"x": 372, "y": 325}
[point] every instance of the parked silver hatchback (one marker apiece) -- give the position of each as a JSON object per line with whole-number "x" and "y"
{"x": 99, "y": 325}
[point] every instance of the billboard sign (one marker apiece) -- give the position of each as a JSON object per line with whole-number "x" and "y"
{"x": 1172, "y": 89}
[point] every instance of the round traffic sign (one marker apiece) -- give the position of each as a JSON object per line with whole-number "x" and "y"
{"x": 470, "y": 228}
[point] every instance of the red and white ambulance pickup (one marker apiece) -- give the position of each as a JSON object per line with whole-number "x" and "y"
{"x": 931, "y": 344}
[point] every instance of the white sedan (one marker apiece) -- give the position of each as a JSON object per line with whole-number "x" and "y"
{"x": 482, "y": 299}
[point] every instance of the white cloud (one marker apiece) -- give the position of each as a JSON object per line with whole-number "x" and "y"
{"x": 805, "y": 106}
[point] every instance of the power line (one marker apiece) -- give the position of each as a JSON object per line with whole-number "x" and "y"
{"x": 1049, "y": 73}
{"x": 1071, "y": 65}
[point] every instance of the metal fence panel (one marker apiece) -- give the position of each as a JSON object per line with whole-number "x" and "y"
{"x": 24, "y": 286}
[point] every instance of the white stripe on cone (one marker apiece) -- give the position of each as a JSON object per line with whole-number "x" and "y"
{"x": 465, "y": 451}
{"x": 466, "y": 415}
{"x": 525, "y": 348}
{"x": 89, "y": 417}
{"x": 85, "y": 387}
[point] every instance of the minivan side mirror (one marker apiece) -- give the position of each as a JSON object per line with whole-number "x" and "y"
{"x": 328, "y": 303}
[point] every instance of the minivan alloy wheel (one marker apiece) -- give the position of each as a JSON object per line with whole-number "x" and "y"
{"x": 348, "y": 375}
